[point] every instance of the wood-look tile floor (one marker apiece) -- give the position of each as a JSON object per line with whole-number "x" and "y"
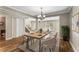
{"x": 65, "y": 46}
{"x": 11, "y": 45}
{"x": 18, "y": 50}
{"x": 2, "y": 39}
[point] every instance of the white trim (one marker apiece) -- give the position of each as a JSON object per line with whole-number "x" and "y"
{"x": 19, "y": 35}
{"x": 9, "y": 38}
{"x": 75, "y": 50}
{"x": 13, "y": 12}
{"x": 12, "y": 37}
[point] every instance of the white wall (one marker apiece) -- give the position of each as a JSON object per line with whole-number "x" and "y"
{"x": 28, "y": 21}
{"x": 74, "y": 35}
{"x": 20, "y": 26}
{"x": 75, "y": 41}
{"x": 11, "y": 22}
{"x": 13, "y": 27}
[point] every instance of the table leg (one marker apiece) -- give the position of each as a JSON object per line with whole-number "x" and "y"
{"x": 27, "y": 43}
{"x": 39, "y": 45}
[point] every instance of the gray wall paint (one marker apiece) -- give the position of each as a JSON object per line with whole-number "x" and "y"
{"x": 64, "y": 19}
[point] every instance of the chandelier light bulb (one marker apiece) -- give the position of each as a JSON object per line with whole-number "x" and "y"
{"x": 41, "y": 16}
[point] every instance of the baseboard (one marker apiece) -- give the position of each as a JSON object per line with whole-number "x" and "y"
{"x": 9, "y": 38}
{"x": 75, "y": 50}
{"x": 12, "y": 37}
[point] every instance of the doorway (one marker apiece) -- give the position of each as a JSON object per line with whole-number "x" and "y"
{"x": 2, "y": 28}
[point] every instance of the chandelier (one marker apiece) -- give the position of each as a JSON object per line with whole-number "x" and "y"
{"x": 41, "y": 16}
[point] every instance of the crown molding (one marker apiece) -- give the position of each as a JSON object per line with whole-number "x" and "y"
{"x": 67, "y": 10}
{"x": 59, "y": 12}
{"x": 10, "y": 11}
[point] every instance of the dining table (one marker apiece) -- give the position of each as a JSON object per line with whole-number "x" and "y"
{"x": 35, "y": 35}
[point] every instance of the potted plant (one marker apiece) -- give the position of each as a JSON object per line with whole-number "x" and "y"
{"x": 65, "y": 32}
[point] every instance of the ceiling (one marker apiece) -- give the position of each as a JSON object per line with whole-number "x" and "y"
{"x": 35, "y": 10}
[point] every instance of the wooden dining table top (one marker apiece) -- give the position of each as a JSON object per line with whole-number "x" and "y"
{"x": 37, "y": 35}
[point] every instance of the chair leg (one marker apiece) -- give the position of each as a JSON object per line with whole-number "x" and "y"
{"x": 44, "y": 49}
{"x": 50, "y": 49}
{"x": 32, "y": 41}
{"x": 53, "y": 49}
